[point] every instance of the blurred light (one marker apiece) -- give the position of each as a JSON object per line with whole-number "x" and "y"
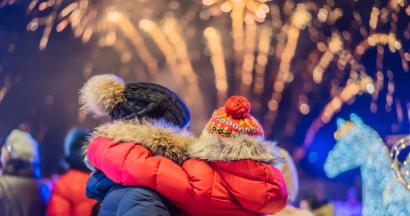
{"x": 370, "y": 88}
{"x": 49, "y": 100}
{"x": 173, "y": 5}
{"x": 114, "y": 16}
{"x": 11, "y": 48}
{"x": 313, "y": 157}
{"x": 304, "y": 109}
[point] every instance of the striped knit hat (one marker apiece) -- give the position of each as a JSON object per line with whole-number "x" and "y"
{"x": 233, "y": 119}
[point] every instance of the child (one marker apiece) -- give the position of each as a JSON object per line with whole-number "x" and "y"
{"x": 146, "y": 113}
{"x": 230, "y": 171}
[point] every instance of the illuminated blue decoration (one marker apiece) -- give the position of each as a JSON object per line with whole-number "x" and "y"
{"x": 358, "y": 145}
{"x": 397, "y": 193}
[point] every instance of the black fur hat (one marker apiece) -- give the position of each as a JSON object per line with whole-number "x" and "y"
{"x": 107, "y": 95}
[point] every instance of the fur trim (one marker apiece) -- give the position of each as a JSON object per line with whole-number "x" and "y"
{"x": 238, "y": 148}
{"x": 101, "y": 93}
{"x": 159, "y": 137}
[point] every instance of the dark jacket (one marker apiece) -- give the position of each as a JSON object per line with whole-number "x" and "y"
{"x": 22, "y": 193}
{"x": 120, "y": 200}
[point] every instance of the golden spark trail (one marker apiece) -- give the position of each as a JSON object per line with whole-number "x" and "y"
{"x": 265, "y": 37}
{"x": 136, "y": 39}
{"x": 299, "y": 20}
{"x": 152, "y": 29}
{"x": 350, "y": 91}
{"x": 214, "y": 43}
{"x": 171, "y": 29}
{"x": 249, "y": 58}
{"x": 334, "y": 46}
{"x": 237, "y": 34}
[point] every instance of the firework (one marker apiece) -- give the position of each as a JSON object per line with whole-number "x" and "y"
{"x": 267, "y": 47}
{"x": 214, "y": 42}
{"x": 248, "y": 11}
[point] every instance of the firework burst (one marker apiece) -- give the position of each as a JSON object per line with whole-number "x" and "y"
{"x": 281, "y": 52}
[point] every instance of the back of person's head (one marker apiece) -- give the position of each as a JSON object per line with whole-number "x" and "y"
{"x": 107, "y": 95}
{"x": 73, "y": 145}
{"x": 22, "y": 146}
{"x": 21, "y": 151}
{"x": 290, "y": 173}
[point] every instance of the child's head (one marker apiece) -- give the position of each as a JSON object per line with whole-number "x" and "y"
{"x": 107, "y": 95}
{"x": 233, "y": 119}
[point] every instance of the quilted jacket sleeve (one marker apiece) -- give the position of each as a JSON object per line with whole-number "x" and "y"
{"x": 261, "y": 188}
{"x": 59, "y": 205}
{"x": 131, "y": 164}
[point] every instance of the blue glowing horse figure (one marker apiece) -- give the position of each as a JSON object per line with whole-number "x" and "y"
{"x": 358, "y": 145}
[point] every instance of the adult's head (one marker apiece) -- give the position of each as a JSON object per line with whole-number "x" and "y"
{"x": 108, "y": 95}
{"x": 20, "y": 146}
{"x": 73, "y": 145}
{"x": 20, "y": 152}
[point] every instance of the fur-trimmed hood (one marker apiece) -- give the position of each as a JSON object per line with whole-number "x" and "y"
{"x": 238, "y": 148}
{"x": 159, "y": 137}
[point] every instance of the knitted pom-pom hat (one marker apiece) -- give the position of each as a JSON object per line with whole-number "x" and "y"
{"x": 108, "y": 95}
{"x": 233, "y": 119}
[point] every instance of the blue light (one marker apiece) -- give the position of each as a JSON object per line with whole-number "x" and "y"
{"x": 313, "y": 157}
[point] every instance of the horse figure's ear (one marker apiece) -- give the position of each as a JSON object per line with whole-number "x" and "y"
{"x": 355, "y": 118}
{"x": 340, "y": 122}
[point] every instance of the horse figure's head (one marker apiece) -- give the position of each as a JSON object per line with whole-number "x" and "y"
{"x": 352, "y": 146}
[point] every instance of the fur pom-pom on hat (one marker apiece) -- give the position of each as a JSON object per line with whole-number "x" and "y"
{"x": 101, "y": 93}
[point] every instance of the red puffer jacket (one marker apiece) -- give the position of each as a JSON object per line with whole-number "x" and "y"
{"x": 68, "y": 197}
{"x": 236, "y": 180}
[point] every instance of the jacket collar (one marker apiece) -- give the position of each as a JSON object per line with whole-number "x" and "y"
{"x": 21, "y": 169}
{"x": 238, "y": 148}
{"x": 159, "y": 137}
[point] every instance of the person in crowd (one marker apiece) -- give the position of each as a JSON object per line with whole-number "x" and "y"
{"x": 146, "y": 113}
{"x": 68, "y": 195}
{"x": 290, "y": 173}
{"x": 319, "y": 207}
{"x": 352, "y": 207}
{"x": 230, "y": 170}
{"x": 22, "y": 193}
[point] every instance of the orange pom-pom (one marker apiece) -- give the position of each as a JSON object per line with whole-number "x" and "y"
{"x": 237, "y": 107}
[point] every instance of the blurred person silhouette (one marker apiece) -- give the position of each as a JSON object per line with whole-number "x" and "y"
{"x": 352, "y": 207}
{"x": 22, "y": 192}
{"x": 319, "y": 207}
{"x": 290, "y": 173}
{"x": 68, "y": 196}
